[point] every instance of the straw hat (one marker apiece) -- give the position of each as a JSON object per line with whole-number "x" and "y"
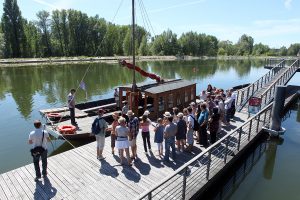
{"x": 129, "y": 113}
{"x": 180, "y": 115}
{"x": 167, "y": 114}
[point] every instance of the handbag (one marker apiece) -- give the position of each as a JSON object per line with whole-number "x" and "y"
{"x": 38, "y": 150}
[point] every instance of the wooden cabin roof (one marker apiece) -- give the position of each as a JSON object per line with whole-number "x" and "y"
{"x": 145, "y": 85}
{"x": 169, "y": 86}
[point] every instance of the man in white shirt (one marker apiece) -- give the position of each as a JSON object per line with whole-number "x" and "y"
{"x": 71, "y": 105}
{"x": 39, "y": 137}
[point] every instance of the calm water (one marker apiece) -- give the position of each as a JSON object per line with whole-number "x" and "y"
{"x": 26, "y": 90}
{"x": 275, "y": 175}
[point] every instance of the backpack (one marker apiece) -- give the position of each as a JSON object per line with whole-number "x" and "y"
{"x": 196, "y": 124}
{"x": 95, "y": 126}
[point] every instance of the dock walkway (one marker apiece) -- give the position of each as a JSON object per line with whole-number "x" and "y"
{"x": 77, "y": 174}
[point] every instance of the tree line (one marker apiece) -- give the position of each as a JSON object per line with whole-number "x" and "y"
{"x": 74, "y": 33}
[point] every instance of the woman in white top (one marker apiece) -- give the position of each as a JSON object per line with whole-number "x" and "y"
{"x": 122, "y": 143}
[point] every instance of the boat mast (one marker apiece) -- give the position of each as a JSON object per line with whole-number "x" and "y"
{"x": 134, "y": 87}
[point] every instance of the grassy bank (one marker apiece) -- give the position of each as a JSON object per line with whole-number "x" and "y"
{"x": 15, "y": 62}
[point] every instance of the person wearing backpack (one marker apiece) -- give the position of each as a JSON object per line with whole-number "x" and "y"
{"x": 99, "y": 128}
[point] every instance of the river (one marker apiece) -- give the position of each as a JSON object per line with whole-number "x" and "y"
{"x": 270, "y": 170}
{"x": 26, "y": 90}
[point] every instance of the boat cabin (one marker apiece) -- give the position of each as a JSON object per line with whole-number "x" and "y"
{"x": 158, "y": 97}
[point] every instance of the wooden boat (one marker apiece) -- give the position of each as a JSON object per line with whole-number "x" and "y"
{"x": 154, "y": 97}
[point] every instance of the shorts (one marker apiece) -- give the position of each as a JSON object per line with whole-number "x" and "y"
{"x": 122, "y": 144}
{"x": 100, "y": 141}
{"x": 132, "y": 142}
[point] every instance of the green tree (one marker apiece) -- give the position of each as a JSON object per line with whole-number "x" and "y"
{"x": 143, "y": 49}
{"x": 245, "y": 45}
{"x": 33, "y": 39}
{"x": 127, "y": 43}
{"x": 44, "y": 26}
{"x": 165, "y": 44}
{"x": 57, "y": 35}
{"x": 260, "y": 49}
{"x": 294, "y": 49}
{"x": 189, "y": 43}
{"x": 228, "y": 46}
{"x": 14, "y": 38}
{"x": 283, "y": 51}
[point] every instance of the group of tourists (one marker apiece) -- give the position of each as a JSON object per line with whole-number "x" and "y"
{"x": 179, "y": 128}
{"x": 201, "y": 121}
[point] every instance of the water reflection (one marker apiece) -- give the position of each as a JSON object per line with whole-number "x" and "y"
{"x": 271, "y": 156}
{"x": 53, "y": 82}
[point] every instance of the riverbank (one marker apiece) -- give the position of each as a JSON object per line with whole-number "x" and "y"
{"x": 76, "y": 60}
{"x": 16, "y": 62}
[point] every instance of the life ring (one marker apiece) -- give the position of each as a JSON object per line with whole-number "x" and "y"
{"x": 67, "y": 129}
{"x": 54, "y": 115}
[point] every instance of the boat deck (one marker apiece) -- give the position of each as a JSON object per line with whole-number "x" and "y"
{"x": 77, "y": 174}
{"x": 64, "y": 111}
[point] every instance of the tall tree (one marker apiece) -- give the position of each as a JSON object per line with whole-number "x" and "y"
{"x": 14, "y": 38}
{"x": 44, "y": 25}
{"x": 56, "y": 30}
{"x": 33, "y": 39}
{"x": 165, "y": 44}
{"x": 245, "y": 45}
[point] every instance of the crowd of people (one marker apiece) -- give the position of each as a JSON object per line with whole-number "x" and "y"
{"x": 175, "y": 131}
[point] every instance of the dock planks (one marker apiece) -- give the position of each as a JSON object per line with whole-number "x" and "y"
{"x": 77, "y": 174}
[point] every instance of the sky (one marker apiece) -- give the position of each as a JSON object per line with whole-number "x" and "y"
{"x": 272, "y": 22}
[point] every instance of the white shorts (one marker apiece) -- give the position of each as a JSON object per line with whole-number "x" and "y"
{"x": 122, "y": 144}
{"x": 100, "y": 141}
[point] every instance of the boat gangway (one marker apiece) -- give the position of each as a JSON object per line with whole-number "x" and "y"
{"x": 264, "y": 87}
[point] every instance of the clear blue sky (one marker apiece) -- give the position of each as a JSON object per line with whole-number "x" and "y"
{"x": 272, "y": 22}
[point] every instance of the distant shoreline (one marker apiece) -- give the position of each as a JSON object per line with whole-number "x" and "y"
{"x": 17, "y": 62}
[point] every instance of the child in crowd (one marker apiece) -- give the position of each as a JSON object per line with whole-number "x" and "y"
{"x": 159, "y": 135}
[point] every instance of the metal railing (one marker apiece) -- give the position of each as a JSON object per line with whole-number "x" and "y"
{"x": 272, "y": 62}
{"x": 244, "y": 95}
{"x": 187, "y": 180}
{"x": 268, "y": 95}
